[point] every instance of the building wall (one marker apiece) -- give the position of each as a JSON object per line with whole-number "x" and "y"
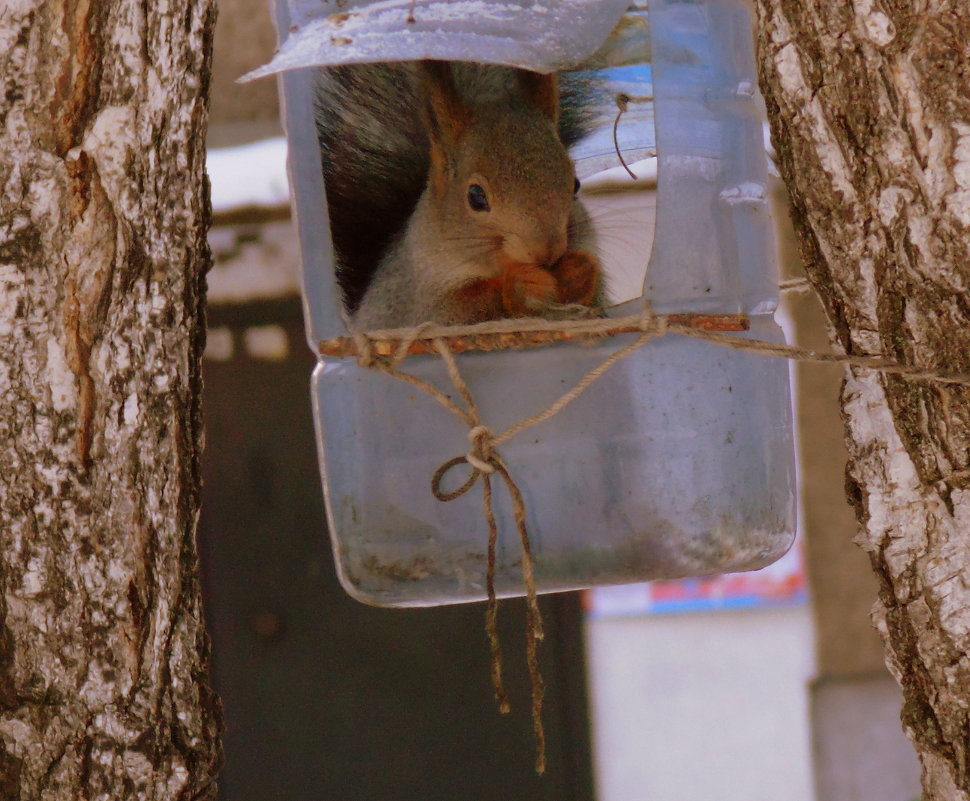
{"x": 706, "y": 705}
{"x": 245, "y": 38}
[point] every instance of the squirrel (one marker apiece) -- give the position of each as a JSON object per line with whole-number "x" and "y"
{"x": 451, "y": 194}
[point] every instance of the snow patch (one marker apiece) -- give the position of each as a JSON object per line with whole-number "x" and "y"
{"x": 249, "y": 175}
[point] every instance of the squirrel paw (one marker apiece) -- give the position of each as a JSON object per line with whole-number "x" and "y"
{"x": 475, "y": 302}
{"x": 578, "y": 277}
{"x": 527, "y": 289}
{"x": 520, "y": 290}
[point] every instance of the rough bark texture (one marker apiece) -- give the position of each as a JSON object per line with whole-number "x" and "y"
{"x": 869, "y": 103}
{"x": 104, "y": 689}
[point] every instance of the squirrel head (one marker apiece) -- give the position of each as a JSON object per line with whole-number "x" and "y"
{"x": 501, "y": 184}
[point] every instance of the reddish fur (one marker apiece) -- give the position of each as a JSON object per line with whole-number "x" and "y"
{"x": 526, "y": 289}
{"x": 522, "y": 290}
{"x": 578, "y": 275}
{"x": 478, "y": 301}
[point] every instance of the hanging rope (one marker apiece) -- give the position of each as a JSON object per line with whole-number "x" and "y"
{"x": 385, "y": 350}
{"x": 370, "y": 347}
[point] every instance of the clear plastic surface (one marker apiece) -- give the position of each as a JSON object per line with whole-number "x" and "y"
{"x": 677, "y": 462}
{"x": 541, "y": 35}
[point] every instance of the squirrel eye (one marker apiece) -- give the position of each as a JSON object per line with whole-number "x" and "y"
{"x": 576, "y": 185}
{"x": 477, "y": 199}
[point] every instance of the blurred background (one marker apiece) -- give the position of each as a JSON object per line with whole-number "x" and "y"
{"x": 764, "y": 686}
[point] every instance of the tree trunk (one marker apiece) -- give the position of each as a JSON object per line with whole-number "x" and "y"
{"x": 104, "y": 688}
{"x": 869, "y": 104}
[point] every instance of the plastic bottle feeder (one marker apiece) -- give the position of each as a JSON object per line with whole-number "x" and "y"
{"x": 678, "y": 461}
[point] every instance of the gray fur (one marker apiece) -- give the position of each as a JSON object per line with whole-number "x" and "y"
{"x": 375, "y": 152}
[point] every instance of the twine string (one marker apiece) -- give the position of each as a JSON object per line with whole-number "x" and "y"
{"x": 795, "y": 353}
{"x": 622, "y": 104}
{"x": 509, "y": 334}
{"x": 485, "y": 461}
{"x": 491, "y": 608}
{"x": 795, "y": 285}
{"x": 623, "y": 100}
{"x": 364, "y": 346}
{"x": 651, "y": 326}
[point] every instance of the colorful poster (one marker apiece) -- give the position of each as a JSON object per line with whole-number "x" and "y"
{"x": 780, "y": 584}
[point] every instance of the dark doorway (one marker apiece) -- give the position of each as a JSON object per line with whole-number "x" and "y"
{"x": 326, "y": 698}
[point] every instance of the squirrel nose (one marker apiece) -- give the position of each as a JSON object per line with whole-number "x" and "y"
{"x": 542, "y": 249}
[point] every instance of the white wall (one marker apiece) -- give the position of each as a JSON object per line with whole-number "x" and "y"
{"x": 706, "y": 706}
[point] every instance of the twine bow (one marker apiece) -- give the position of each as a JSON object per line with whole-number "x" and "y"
{"x": 485, "y": 461}
{"x": 385, "y": 350}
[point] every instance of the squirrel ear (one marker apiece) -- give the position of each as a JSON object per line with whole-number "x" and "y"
{"x": 445, "y": 112}
{"x": 541, "y": 92}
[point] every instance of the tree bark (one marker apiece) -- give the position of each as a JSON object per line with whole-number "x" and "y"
{"x": 104, "y": 687}
{"x": 869, "y": 104}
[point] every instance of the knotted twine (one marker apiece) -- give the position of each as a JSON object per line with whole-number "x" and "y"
{"x": 483, "y": 457}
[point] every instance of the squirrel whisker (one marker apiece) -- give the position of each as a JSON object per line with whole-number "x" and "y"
{"x": 431, "y": 166}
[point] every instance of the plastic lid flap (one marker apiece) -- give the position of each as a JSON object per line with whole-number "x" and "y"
{"x": 541, "y": 35}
